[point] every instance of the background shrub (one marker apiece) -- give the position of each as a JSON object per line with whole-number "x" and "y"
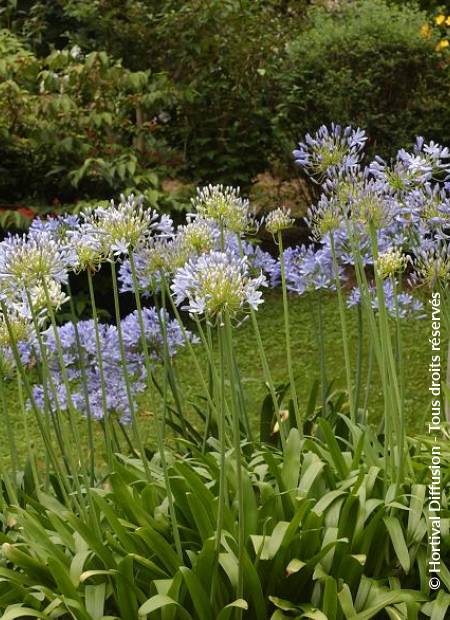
{"x": 367, "y": 65}
{"x": 76, "y": 124}
{"x": 227, "y": 88}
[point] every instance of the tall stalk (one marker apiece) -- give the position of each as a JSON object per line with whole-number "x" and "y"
{"x": 160, "y": 427}
{"x": 399, "y": 345}
{"x": 323, "y": 370}
{"x": 377, "y": 350}
{"x": 9, "y": 430}
{"x": 359, "y": 359}
{"x": 287, "y": 334}
{"x": 62, "y": 479}
{"x": 447, "y": 396}
{"x": 125, "y": 373}
{"x": 85, "y": 387}
{"x": 98, "y": 349}
{"x": 53, "y": 418}
{"x": 73, "y": 422}
{"x": 170, "y": 372}
{"x": 29, "y": 443}
{"x": 208, "y": 388}
{"x": 344, "y": 330}
{"x": 396, "y": 410}
{"x": 237, "y": 454}
{"x": 222, "y": 451}
{"x": 265, "y": 364}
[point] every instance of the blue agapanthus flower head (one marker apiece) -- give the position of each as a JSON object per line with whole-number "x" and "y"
{"x": 409, "y": 170}
{"x": 57, "y": 226}
{"x": 399, "y": 304}
{"x": 309, "y": 269}
{"x": 82, "y": 362}
{"x": 331, "y": 151}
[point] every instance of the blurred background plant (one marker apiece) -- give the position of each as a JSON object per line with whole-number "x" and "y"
{"x": 103, "y": 96}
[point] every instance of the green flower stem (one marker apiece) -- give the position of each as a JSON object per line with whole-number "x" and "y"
{"x": 241, "y": 401}
{"x": 123, "y": 359}
{"x": 376, "y": 347}
{"x": 399, "y": 347}
{"x": 9, "y": 431}
{"x": 237, "y": 453}
{"x": 160, "y": 428}
{"x": 293, "y": 389}
{"x": 207, "y": 389}
{"x": 85, "y": 387}
{"x": 323, "y": 371}
{"x": 447, "y": 397}
{"x": 31, "y": 457}
{"x": 55, "y": 419}
{"x": 222, "y": 439}
{"x": 207, "y": 345}
{"x": 268, "y": 377}
{"x": 343, "y": 320}
{"x": 398, "y": 437}
{"x": 265, "y": 364}
{"x": 211, "y": 388}
{"x": 106, "y": 418}
{"x": 62, "y": 479}
{"x": 170, "y": 371}
{"x": 222, "y": 453}
{"x": 71, "y": 409}
{"x": 359, "y": 358}
{"x": 368, "y": 381}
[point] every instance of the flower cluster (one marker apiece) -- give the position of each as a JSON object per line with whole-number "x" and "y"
{"x": 399, "y": 304}
{"x": 224, "y": 206}
{"x": 308, "y": 269}
{"x": 217, "y": 283}
{"x": 82, "y": 367}
{"x": 33, "y": 269}
{"x": 278, "y": 220}
{"x": 331, "y": 151}
{"x": 400, "y": 210}
{"x": 391, "y": 263}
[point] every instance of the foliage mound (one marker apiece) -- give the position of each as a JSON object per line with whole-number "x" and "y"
{"x": 325, "y": 537}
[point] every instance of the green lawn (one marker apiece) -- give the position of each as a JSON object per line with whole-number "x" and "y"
{"x": 306, "y": 360}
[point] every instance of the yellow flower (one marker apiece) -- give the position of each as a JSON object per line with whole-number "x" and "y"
{"x": 425, "y": 31}
{"x": 440, "y": 19}
{"x": 447, "y": 21}
{"x": 442, "y": 45}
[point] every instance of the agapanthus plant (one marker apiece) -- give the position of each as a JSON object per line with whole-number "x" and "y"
{"x": 84, "y": 355}
{"x": 217, "y": 283}
{"x": 331, "y": 151}
{"x": 225, "y": 206}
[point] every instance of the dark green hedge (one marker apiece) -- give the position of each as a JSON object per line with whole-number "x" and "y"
{"x": 252, "y": 76}
{"x": 369, "y": 66}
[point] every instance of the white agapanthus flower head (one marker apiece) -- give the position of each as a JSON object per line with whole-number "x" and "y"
{"x": 432, "y": 264}
{"x": 198, "y": 236}
{"x": 225, "y": 206}
{"x": 278, "y": 220}
{"x": 87, "y": 246}
{"x": 126, "y": 226}
{"x": 391, "y": 262}
{"x": 25, "y": 260}
{"x": 217, "y": 283}
{"x": 19, "y": 330}
{"x": 50, "y": 294}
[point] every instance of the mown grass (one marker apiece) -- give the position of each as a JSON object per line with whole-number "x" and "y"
{"x": 304, "y": 331}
